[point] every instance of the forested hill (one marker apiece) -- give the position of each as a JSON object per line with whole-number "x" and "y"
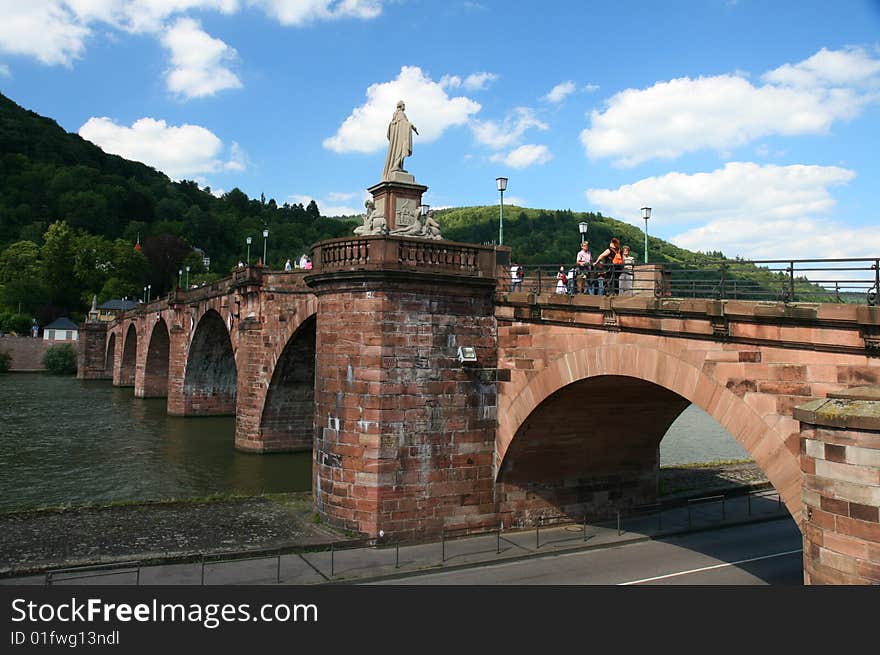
{"x": 48, "y": 176}
{"x": 70, "y": 215}
{"x": 540, "y": 236}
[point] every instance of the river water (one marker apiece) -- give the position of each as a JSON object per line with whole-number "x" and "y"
{"x": 64, "y": 440}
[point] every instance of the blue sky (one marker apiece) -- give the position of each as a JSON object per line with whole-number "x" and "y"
{"x": 750, "y": 127}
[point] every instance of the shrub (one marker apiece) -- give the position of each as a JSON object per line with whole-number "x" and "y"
{"x": 5, "y": 361}
{"x": 60, "y": 359}
{"x": 16, "y": 323}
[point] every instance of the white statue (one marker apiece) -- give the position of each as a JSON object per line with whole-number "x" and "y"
{"x": 399, "y": 142}
{"x": 374, "y": 222}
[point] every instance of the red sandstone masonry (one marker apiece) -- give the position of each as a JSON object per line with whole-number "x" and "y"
{"x": 841, "y": 491}
{"x": 387, "y": 356}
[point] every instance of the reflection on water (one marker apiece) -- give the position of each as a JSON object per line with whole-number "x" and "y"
{"x": 697, "y": 437}
{"x": 66, "y": 440}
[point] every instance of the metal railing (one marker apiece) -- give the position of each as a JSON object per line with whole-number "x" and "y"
{"x": 323, "y": 561}
{"x": 842, "y": 280}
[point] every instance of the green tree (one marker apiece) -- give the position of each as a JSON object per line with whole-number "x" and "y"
{"x": 93, "y": 262}
{"x": 21, "y": 277}
{"x": 60, "y": 359}
{"x": 59, "y": 257}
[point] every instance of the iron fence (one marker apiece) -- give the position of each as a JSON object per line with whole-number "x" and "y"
{"x": 483, "y": 541}
{"x": 843, "y": 280}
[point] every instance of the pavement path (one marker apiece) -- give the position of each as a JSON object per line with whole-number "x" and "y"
{"x": 363, "y": 564}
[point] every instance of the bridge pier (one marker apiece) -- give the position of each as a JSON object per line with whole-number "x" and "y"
{"x": 92, "y": 352}
{"x": 404, "y": 431}
{"x": 840, "y": 459}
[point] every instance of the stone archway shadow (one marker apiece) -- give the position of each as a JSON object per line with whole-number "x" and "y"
{"x": 758, "y": 437}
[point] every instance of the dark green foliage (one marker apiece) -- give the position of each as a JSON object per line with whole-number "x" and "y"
{"x": 538, "y": 236}
{"x": 5, "y": 361}
{"x": 56, "y": 188}
{"x": 60, "y": 359}
{"x": 16, "y": 323}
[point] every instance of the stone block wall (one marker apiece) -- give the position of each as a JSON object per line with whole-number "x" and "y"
{"x": 27, "y": 352}
{"x": 840, "y": 459}
{"x": 91, "y": 354}
{"x": 404, "y": 433}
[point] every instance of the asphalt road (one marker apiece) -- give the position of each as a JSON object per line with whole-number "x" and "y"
{"x": 756, "y": 554}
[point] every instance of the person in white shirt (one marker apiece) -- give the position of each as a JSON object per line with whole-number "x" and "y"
{"x": 516, "y": 278}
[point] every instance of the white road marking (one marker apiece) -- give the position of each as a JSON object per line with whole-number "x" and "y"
{"x": 709, "y": 568}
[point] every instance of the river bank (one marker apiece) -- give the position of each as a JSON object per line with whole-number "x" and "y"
{"x": 59, "y": 537}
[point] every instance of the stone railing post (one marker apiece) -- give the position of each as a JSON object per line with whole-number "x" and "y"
{"x": 648, "y": 279}
{"x": 840, "y": 459}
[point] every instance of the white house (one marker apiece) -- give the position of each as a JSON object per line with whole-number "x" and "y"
{"x": 61, "y": 329}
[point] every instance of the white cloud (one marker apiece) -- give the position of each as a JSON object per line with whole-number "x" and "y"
{"x": 848, "y": 67}
{"x": 515, "y": 200}
{"x": 478, "y": 81}
{"x": 428, "y": 106}
{"x": 590, "y": 88}
{"x": 683, "y": 115}
{"x": 4, "y": 71}
{"x": 198, "y": 61}
{"x": 238, "y": 160}
{"x": 55, "y": 32}
{"x": 799, "y": 238}
{"x": 758, "y": 211}
{"x": 299, "y": 12}
{"x": 524, "y": 156}
{"x": 143, "y": 15}
{"x": 183, "y": 151}
{"x": 560, "y": 92}
{"x": 509, "y": 131}
{"x": 46, "y": 31}
{"x": 337, "y": 196}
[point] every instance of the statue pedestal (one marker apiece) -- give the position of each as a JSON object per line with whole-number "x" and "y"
{"x": 398, "y": 200}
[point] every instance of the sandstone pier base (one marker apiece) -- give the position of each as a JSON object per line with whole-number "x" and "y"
{"x": 840, "y": 459}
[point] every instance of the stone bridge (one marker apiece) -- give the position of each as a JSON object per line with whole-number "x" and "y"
{"x": 561, "y": 413}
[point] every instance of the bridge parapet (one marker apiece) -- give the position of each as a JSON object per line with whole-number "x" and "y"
{"x": 410, "y": 255}
{"x": 831, "y": 327}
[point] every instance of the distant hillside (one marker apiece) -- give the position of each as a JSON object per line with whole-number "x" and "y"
{"x": 70, "y": 214}
{"x": 49, "y": 176}
{"x": 543, "y": 237}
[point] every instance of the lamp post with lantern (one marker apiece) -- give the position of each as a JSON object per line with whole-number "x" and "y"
{"x": 502, "y": 187}
{"x": 646, "y": 214}
{"x": 248, "y": 242}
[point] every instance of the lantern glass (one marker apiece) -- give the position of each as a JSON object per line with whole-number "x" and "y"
{"x": 646, "y": 212}
{"x": 502, "y": 183}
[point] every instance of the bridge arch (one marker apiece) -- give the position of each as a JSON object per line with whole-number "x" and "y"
{"x": 654, "y": 382}
{"x": 211, "y": 377}
{"x": 110, "y": 355}
{"x": 157, "y": 361}
{"x": 128, "y": 366}
{"x": 287, "y": 419}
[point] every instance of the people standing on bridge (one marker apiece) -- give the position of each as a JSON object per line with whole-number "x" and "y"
{"x": 287, "y": 265}
{"x": 611, "y": 260}
{"x": 585, "y": 264}
{"x": 627, "y": 273}
{"x": 516, "y": 278}
{"x": 572, "y": 281}
{"x": 561, "y": 281}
